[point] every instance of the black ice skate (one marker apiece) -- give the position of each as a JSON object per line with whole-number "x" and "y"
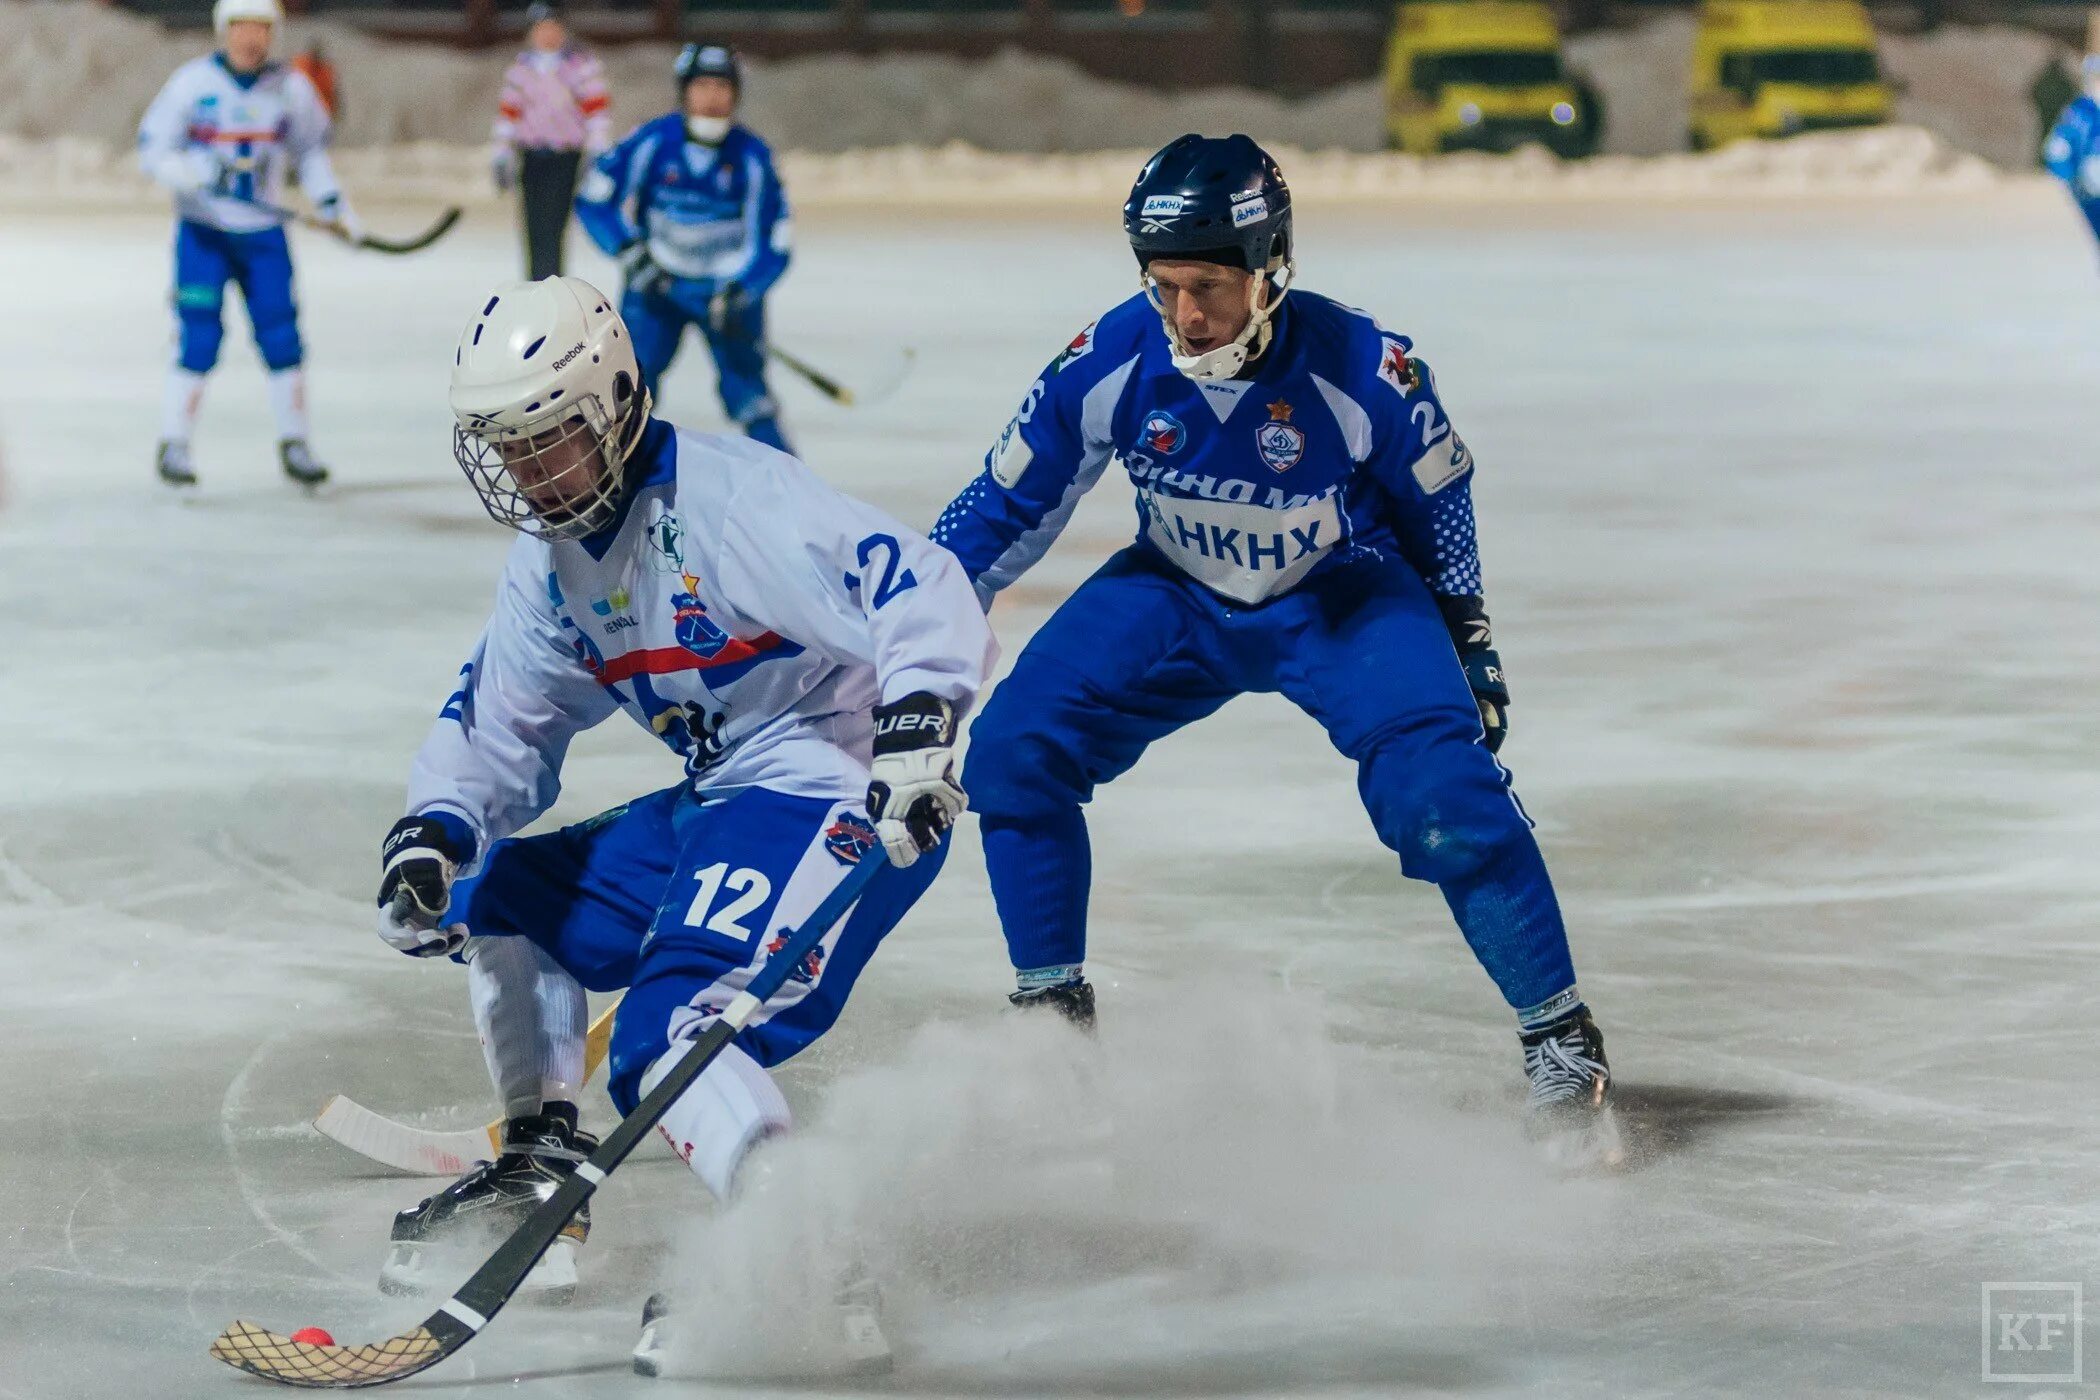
{"x": 1570, "y": 1116}
{"x": 173, "y": 463}
{"x": 865, "y": 1351}
{"x": 300, "y": 464}
{"x": 1072, "y": 1000}
{"x": 480, "y": 1209}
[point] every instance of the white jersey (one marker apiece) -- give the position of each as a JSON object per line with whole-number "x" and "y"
{"x": 739, "y": 609}
{"x": 253, "y": 130}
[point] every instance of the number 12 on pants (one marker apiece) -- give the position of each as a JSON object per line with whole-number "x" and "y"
{"x": 747, "y": 890}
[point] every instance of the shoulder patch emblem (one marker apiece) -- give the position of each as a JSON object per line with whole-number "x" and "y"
{"x": 1397, "y": 368}
{"x": 1082, "y": 345}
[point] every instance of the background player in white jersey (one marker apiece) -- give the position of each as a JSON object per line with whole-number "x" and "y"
{"x": 222, "y": 135}
{"x": 803, "y": 653}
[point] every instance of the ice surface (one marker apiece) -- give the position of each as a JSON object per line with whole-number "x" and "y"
{"x": 1788, "y": 511}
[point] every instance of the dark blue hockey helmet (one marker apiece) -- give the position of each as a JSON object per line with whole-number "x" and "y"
{"x": 1215, "y": 199}
{"x": 709, "y": 61}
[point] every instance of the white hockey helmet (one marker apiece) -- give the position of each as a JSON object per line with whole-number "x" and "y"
{"x": 225, "y": 12}
{"x": 550, "y": 403}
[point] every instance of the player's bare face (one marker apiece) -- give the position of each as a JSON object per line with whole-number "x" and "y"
{"x": 247, "y": 44}
{"x": 547, "y": 35}
{"x": 710, "y": 97}
{"x": 1208, "y": 304}
{"x": 558, "y": 471}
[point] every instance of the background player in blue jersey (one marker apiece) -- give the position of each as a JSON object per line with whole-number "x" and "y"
{"x": 1305, "y": 526}
{"x": 692, "y": 207}
{"x": 2072, "y": 150}
{"x": 223, "y": 134}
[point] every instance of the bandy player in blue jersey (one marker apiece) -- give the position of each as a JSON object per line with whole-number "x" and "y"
{"x": 1305, "y": 526}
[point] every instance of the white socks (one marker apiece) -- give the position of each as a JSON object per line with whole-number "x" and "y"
{"x": 180, "y": 398}
{"x": 532, "y": 1017}
{"x": 183, "y": 393}
{"x": 727, "y": 1111}
{"x": 288, "y": 401}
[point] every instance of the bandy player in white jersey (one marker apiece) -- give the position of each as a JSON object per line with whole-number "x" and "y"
{"x": 807, "y": 657}
{"x": 222, "y": 136}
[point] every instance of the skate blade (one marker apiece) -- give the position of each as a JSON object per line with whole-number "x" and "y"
{"x": 867, "y": 1350}
{"x": 413, "y": 1270}
{"x": 1592, "y": 1148}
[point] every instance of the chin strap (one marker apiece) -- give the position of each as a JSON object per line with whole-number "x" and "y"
{"x": 708, "y": 131}
{"x": 1226, "y": 361}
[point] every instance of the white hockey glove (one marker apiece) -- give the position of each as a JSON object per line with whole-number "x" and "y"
{"x": 187, "y": 172}
{"x": 337, "y": 211}
{"x": 912, "y": 792}
{"x": 726, "y": 308}
{"x": 639, "y": 272}
{"x": 419, "y": 859}
{"x": 503, "y": 168}
{"x": 2089, "y": 177}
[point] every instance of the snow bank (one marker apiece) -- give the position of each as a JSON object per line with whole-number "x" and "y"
{"x": 74, "y": 77}
{"x": 1890, "y": 161}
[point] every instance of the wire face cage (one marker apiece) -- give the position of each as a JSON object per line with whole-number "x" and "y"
{"x": 553, "y": 476}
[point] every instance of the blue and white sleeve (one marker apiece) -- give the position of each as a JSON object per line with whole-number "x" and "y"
{"x": 2072, "y": 151}
{"x": 835, "y": 573}
{"x": 164, "y": 150}
{"x": 1426, "y": 472}
{"x": 605, "y": 204}
{"x": 307, "y": 140}
{"x": 492, "y": 762}
{"x": 1051, "y": 453}
{"x": 770, "y": 238}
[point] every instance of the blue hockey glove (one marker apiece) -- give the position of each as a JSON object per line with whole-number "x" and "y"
{"x": 419, "y": 858}
{"x": 1465, "y": 616}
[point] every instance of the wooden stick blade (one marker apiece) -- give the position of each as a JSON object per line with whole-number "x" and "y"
{"x": 261, "y": 1352}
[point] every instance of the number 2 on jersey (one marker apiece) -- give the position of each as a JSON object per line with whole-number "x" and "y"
{"x": 893, "y": 580}
{"x": 750, "y": 888}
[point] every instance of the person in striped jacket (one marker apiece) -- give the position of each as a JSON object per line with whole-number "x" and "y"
{"x": 555, "y": 111}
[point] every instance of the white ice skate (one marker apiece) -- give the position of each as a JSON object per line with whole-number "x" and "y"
{"x": 865, "y": 1351}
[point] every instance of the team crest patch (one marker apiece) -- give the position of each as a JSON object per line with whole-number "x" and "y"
{"x": 1082, "y": 345}
{"x": 805, "y": 971}
{"x": 695, "y": 630}
{"x": 666, "y": 541}
{"x": 1281, "y": 445}
{"x": 1162, "y": 433}
{"x": 848, "y": 839}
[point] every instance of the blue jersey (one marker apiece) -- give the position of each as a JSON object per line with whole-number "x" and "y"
{"x": 2072, "y": 151}
{"x": 1335, "y": 446}
{"x": 713, "y": 214}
